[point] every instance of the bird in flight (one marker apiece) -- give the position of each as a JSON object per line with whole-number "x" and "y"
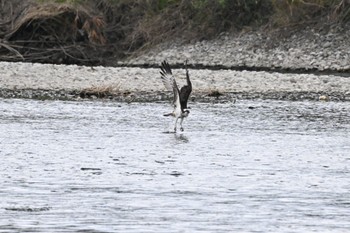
{"x": 180, "y": 95}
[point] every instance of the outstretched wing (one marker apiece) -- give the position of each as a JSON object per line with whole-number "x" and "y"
{"x": 170, "y": 83}
{"x": 186, "y": 90}
{"x": 167, "y": 76}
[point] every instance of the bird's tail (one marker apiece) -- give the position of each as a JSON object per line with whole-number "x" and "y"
{"x": 168, "y": 114}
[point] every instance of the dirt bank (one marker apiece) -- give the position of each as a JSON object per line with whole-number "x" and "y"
{"x": 256, "y": 35}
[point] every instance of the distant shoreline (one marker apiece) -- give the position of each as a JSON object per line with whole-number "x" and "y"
{"x": 140, "y": 97}
{"x": 72, "y": 82}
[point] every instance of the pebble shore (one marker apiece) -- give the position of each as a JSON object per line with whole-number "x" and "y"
{"x": 46, "y": 81}
{"x": 302, "y": 51}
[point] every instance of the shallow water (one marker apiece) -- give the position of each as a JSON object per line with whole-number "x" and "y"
{"x": 253, "y": 166}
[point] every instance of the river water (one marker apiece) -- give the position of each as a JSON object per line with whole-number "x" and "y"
{"x": 252, "y": 166}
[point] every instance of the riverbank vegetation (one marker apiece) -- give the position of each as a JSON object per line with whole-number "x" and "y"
{"x": 92, "y": 32}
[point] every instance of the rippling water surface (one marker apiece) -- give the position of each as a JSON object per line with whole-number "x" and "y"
{"x": 253, "y": 166}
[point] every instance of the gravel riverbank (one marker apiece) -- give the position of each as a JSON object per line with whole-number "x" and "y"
{"x": 302, "y": 51}
{"x": 47, "y": 81}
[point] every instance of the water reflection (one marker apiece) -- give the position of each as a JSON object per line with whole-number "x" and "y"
{"x": 181, "y": 138}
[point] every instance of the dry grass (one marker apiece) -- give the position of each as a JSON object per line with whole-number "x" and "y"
{"x": 63, "y": 22}
{"x": 62, "y": 33}
{"x": 215, "y": 93}
{"x": 100, "y": 91}
{"x": 194, "y": 19}
{"x": 287, "y": 12}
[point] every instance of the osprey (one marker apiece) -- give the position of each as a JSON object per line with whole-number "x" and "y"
{"x": 180, "y": 95}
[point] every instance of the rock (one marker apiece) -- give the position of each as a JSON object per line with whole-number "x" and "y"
{"x": 327, "y": 44}
{"x": 323, "y": 98}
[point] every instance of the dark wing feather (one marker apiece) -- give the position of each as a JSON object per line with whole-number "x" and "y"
{"x": 185, "y": 91}
{"x": 165, "y": 68}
